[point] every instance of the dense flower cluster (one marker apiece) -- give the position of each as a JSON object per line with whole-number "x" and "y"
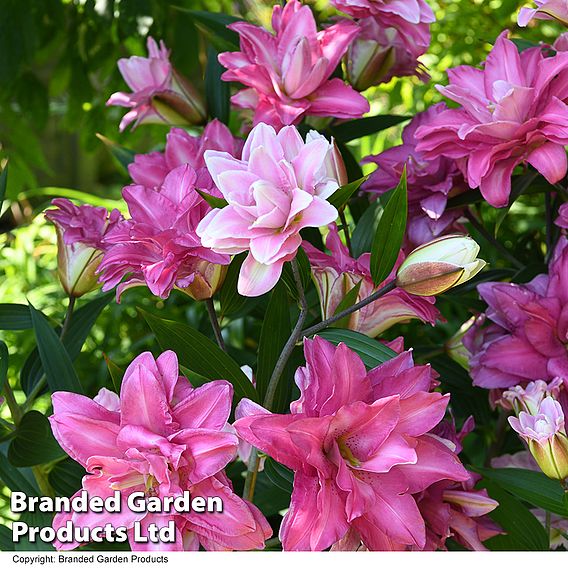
{"x": 160, "y": 437}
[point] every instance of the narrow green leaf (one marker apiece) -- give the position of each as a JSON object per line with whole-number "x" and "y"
{"x": 268, "y": 497}
{"x": 366, "y": 228}
{"x": 200, "y": 354}
{"x": 115, "y": 372}
{"x": 305, "y": 273}
{"x": 530, "y": 486}
{"x": 231, "y": 301}
{"x": 372, "y": 352}
{"x": 519, "y": 186}
{"x": 354, "y": 129}
{"x": 214, "y": 26}
{"x": 15, "y": 317}
{"x": 56, "y": 362}
{"x": 280, "y": 475}
{"x": 347, "y": 301}
{"x": 80, "y": 326}
{"x": 524, "y": 530}
{"x": 35, "y": 519}
{"x": 340, "y": 197}
{"x": 215, "y": 202}
{"x": 3, "y": 364}
{"x": 81, "y": 196}
{"x": 390, "y": 233}
{"x": 3, "y": 184}
{"x": 14, "y": 479}
{"x": 6, "y": 542}
{"x": 217, "y": 91}
{"x": 275, "y": 331}
{"x": 124, "y": 156}
{"x": 34, "y": 443}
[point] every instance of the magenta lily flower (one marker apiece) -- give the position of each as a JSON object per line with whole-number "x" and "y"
{"x": 159, "y": 93}
{"x": 161, "y": 437}
{"x": 430, "y": 182}
{"x": 512, "y": 112}
{"x": 150, "y": 170}
{"x": 389, "y": 12}
{"x": 336, "y": 274}
{"x": 529, "y": 332}
{"x": 358, "y": 443}
{"x": 278, "y": 187}
{"x": 545, "y": 10}
{"x": 158, "y": 246}
{"x": 287, "y": 74}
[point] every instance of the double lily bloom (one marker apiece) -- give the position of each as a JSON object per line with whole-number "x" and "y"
{"x": 160, "y": 437}
{"x": 158, "y": 246}
{"x": 512, "y": 112}
{"x": 359, "y": 443}
{"x": 287, "y": 74}
{"x": 337, "y": 274}
{"x": 528, "y": 334}
{"x": 159, "y": 93}
{"x": 276, "y": 189}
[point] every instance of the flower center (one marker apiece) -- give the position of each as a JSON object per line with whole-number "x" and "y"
{"x": 347, "y": 454}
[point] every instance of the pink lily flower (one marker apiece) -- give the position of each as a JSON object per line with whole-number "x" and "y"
{"x": 545, "y": 10}
{"x": 278, "y": 187}
{"x": 393, "y": 13}
{"x": 158, "y": 246}
{"x": 182, "y": 148}
{"x": 287, "y": 74}
{"x": 159, "y": 93}
{"x": 161, "y": 437}
{"x": 529, "y": 332}
{"x": 336, "y": 274}
{"x": 358, "y": 443}
{"x": 512, "y": 112}
{"x": 562, "y": 220}
{"x": 430, "y": 182}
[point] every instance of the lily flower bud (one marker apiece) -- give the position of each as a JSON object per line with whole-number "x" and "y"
{"x": 207, "y": 279}
{"x": 545, "y": 434}
{"x": 439, "y": 265}
{"x": 76, "y": 266}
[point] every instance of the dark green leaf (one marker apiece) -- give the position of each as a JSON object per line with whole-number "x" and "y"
{"x": 3, "y": 364}
{"x": 65, "y": 477}
{"x": 354, "y": 129}
{"x": 275, "y": 331}
{"x": 268, "y": 497}
{"x": 115, "y": 372}
{"x": 34, "y": 443}
{"x": 35, "y": 519}
{"x": 530, "y": 486}
{"x": 340, "y": 198}
{"x": 280, "y": 475}
{"x": 200, "y": 354}
{"x": 124, "y": 156}
{"x": 390, "y": 233}
{"x": 231, "y": 301}
{"x": 14, "y": 479}
{"x": 524, "y": 530}
{"x": 519, "y": 186}
{"x": 6, "y": 542}
{"x": 372, "y": 352}
{"x": 3, "y": 184}
{"x": 215, "y": 202}
{"x": 56, "y": 362}
{"x": 217, "y": 92}
{"x": 366, "y": 228}
{"x": 214, "y": 25}
{"x": 79, "y": 328}
{"x": 305, "y": 273}
{"x": 15, "y": 317}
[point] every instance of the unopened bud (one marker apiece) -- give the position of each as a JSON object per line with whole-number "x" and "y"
{"x": 207, "y": 280}
{"x": 439, "y": 265}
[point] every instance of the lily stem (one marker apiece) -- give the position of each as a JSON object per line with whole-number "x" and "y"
{"x": 335, "y": 318}
{"x": 345, "y": 227}
{"x": 215, "y": 323}
{"x": 252, "y": 472}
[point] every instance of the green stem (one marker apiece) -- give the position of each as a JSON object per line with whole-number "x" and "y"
{"x": 345, "y": 228}
{"x": 215, "y": 323}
